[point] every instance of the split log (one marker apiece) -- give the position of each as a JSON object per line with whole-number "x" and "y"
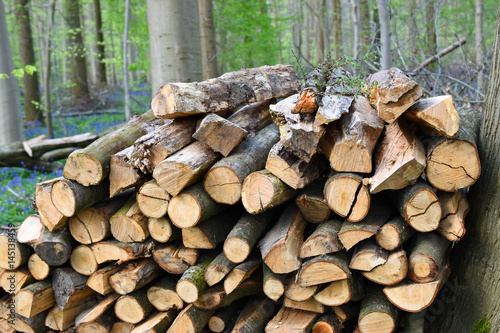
{"x": 218, "y": 269}
{"x": 312, "y": 204}
{"x": 347, "y": 196}
{"x": 455, "y": 207}
{"x": 13, "y": 281}
{"x": 83, "y": 261}
{"x": 297, "y": 292}
{"x": 342, "y": 291}
{"x": 419, "y": 205}
{"x": 240, "y": 273}
{"x": 281, "y": 245}
{"x": 435, "y": 116}
{"x": 175, "y": 258}
{"x": 105, "y": 323}
{"x": 295, "y": 172}
{"x": 99, "y": 280}
{"x": 35, "y": 324}
{"x": 377, "y": 314}
{"x": 225, "y": 92}
{"x": 273, "y": 284}
{"x": 334, "y": 106}
{"x": 70, "y": 197}
{"x": 121, "y": 327}
{"x": 162, "y": 230}
{"x": 367, "y": 255}
{"x": 215, "y": 297}
{"x": 426, "y": 257}
{"x": 152, "y": 200}
{"x": 134, "y": 276}
{"x": 49, "y": 214}
{"x": 323, "y": 240}
{"x": 453, "y": 164}
{"x": 221, "y": 320}
{"x": 12, "y": 253}
{"x": 308, "y": 305}
{"x": 324, "y": 268}
{"x": 31, "y": 230}
{"x": 106, "y": 251}
{"x": 223, "y": 182}
{"x": 291, "y": 320}
{"x": 55, "y": 247}
{"x": 399, "y": 158}
{"x": 61, "y": 320}
{"x": 185, "y": 167}
{"x": 192, "y": 206}
{"x": 38, "y": 268}
{"x": 392, "y": 92}
{"x": 128, "y": 224}
{"x": 191, "y": 320}
{"x": 253, "y": 117}
{"x": 308, "y": 100}
{"x": 96, "y": 310}
{"x": 328, "y": 323}
{"x": 134, "y": 307}
{"x": 162, "y": 295}
{"x": 349, "y": 143}
{"x": 394, "y": 233}
{"x": 90, "y": 166}
{"x": 122, "y": 174}
{"x": 70, "y": 288}
{"x": 393, "y": 271}
{"x": 262, "y": 190}
{"x": 156, "y": 323}
{"x": 192, "y": 284}
{"x": 34, "y": 299}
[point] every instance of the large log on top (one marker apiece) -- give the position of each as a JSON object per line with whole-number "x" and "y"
{"x": 226, "y": 92}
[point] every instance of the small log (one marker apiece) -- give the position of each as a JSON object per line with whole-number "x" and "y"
{"x": 349, "y": 143}
{"x": 392, "y": 92}
{"x": 70, "y": 288}
{"x": 134, "y": 275}
{"x": 426, "y": 257}
{"x": 192, "y": 206}
{"x": 453, "y": 164}
{"x": 128, "y": 224}
{"x": 105, "y": 323}
{"x": 31, "y": 230}
{"x": 134, "y": 307}
{"x": 192, "y": 284}
{"x": 295, "y": 172}
{"x": 156, "y": 323}
{"x": 83, "y": 261}
{"x": 393, "y": 271}
{"x": 49, "y": 214}
{"x": 377, "y": 314}
{"x": 121, "y": 327}
{"x": 12, "y": 253}
{"x": 324, "y": 268}
{"x": 152, "y": 200}
{"x": 347, "y": 196}
{"x": 455, "y": 207}
{"x": 38, "y": 268}
{"x": 55, "y": 247}
{"x": 185, "y": 167}
{"x": 419, "y": 205}
{"x": 334, "y": 106}
{"x": 123, "y": 175}
{"x": 308, "y": 305}
{"x": 291, "y": 320}
{"x": 215, "y": 297}
{"x": 61, "y": 320}
{"x": 13, "y": 281}
{"x": 221, "y": 320}
{"x": 240, "y": 273}
{"x": 34, "y": 299}
{"x": 312, "y": 204}
{"x": 323, "y": 240}
{"x": 273, "y": 284}
{"x": 244, "y": 235}
{"x": 394, "y": 233}
{"x": 297, "y": 292}
{"x": 399, "y": 158}
{"x": 99, "y": 280}
{"x": 191, "y": 320}
{"x": 162, "y": 295}
{"x": 253, "y": 117}
{"x": 342, "y": 291}
{"x": 218, "y": 269}
{"x": 162, "y": 230}
{"x": 281, "y": 245}
{"x": 262, "y": 190}
{"x": 90, "y": 166}
{"x": 97, "y": 310}
{"x": 106, "y": 251}
{"x": 70, "y": 197}
{"x": 35, "y": 324}
{"x": 223, "y": 182}
{"x": 175, "y": 258}
{"x": 367, "y": 255}
{"x": 328, "y": 323}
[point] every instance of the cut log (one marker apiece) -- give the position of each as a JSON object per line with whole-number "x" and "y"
{"x": 308, "y": 100}
{"x": 426, "y": 257}
{"x": 281, "y": 245}
{"x": 399, "y": 158}
{"x": 105, "y": 323}
{"x": 192, "y": 283}
{"x": 39, "y": 269}
{"x": 31, "y": 230}
{"x": 99, "y": 280}
{"x": 291, "y": 320}
{"x": 298, "y": 132}
{"x": 377, "y": 314}
{"x": 83, "y": 261}
{"x": 55, "y": 247}
{"x": 435, "y": 116}
{"x": 49, "y": 214}
{"x": 153, "y": 200}
{"x": 210, "y": 233}
{"x": 128, "y": 224}
{"x": 262, "y": 190}
{"x": 215, "y": 297}
{"x": 393, "y": 271}
{"x": 243, "y": 236}
{"x": 296, "y": 292}
{"x": 133, "y": 276}
{"x": 367, "y": 255}
{"x": 240, "y": 273}
{"x": 349, "y": 143}
{"x": 342, "y": 291}
{"x": 394, "y": 233}
{"x": 221, "y": 320}
{"x": 218, "y": 269}
{"x": 134, "y": 307}
{"x": 324, "y": 268}
{"x": 333, "y": 106}
{"x": 455, "y": 207}
{"x": 70, "y": 288}
{"x": 162, "y": 295}
{"x": 122, "y": 327}
{"x": 35, "y": 324}
{"x": 453, "y": 164}
{"x": 13, "y": 281}
{"x": 12, "y": 253}
{"x": 185, "y": 167}
{"x": 122, "y": 174}
{"x": 323, "y": 240}
{"x": 419, "y": 205}
{"x": 347, "y": 196}
{"x": 392, "y": 92}
{"x": 90, "y": 166}
{"x": 273, "y": 284}
{"x": 34, "y": 299}
{"x": 223, "y": 182}
{"x": 225, "y": 92}
{"x": 70, "y": 197}
{"x": 312, "y": 204}
{"x": 253, "y": 117}
{"x": 162, "y": 230}
{"x": 191, "y": 320}
{"x": 192, "y": 206}
{"x": 96, "y": 310}
{"x": 156, "y": 323}
{"x": 112, "y": 250}
{"x": 61, "y": 320}
{"x": 175, "y": 258}
{"x": 308, "y": 305}
{"x": 295, "y": 172}
{"x": 328, "y": 323}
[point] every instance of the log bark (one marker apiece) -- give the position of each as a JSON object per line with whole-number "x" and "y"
{"x": 342, "y": 291}
{"x": 192, "y": 284}
{"x": 162, "y": 230}
{"x": 328, "y": 323}
{"x": 218, "y": 269}
{"x": 291, "y": 320}
{"x": 394, "y": 233}
{"x": 49, "y": 214}
{"x": 333, "y": 106}
{"x": 253, "y": 117}
{"x": 61, "y": 320}
{"x": 455, "y": 208}
{"x": 156, "y": 323}
{"x": 107, "y": 251}
{"x": 34, "y": 299}
{"x": 83, "y": 261}
{"x": 393, "y": 271}
{"x": 324, "y": 268}
{"x": 99, "y": 280}
{"x": 70, "y": 288}
{"x": 134, "y": 276}
{"x": 273, "y": 284}
{"x": 240, "y": 273}
{"x": 312, "y": 204}
{"x": 55, "y": 247}
{"x": 223, "y": 319}
{"x": 152, "y": 200}
{"x": 128, "y": 224}
{"x": 95, "y": 311}
{"x": 175, "y": 258}
{"x": 134, "y": 307}
{"x": 38, "y": 268}
{"x": 297, "y": 292}
{"x": 426, "y": 257}
{"x": 323, "y": 240}
{"x": 162, "y": 295}
{"x": 367, "y": 255}
{"x": 377, "y": 314}
{"x": 191, "y": 320}
{"x": 215, "y": 297}
{"x": 122, "y": 174}
{"x": 310, "y": 305}
{"x": 35, "y": 324}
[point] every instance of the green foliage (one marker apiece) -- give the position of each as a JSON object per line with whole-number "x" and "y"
{"x": 482, "y": 326}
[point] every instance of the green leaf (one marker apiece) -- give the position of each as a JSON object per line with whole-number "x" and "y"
{"x": 30, "y": 69}
{"x": 19, "y": 73}
{"x": 3, "y": 76}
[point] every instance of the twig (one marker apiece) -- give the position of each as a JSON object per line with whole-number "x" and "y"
{"x": 453, "y": 79}
{"x": 440, "y": 54}
{"x": 17, "y": 195}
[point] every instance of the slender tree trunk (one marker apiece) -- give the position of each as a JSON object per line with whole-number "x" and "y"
{"x": 385, "y": 34}
{"x": 277, "y": 27}
{"x": 412, "y": 26}
{"x": 320, "y": 43}
{"x": 430, "y": 31}
{"x": 114, "y": 80}
{"x": 125, "y": 60}
{"x": 89, "y": 26}
{"x": 101, "y": 66}
{"x": 479, "y": 44}
{"x": 364, "y": 21}
{"x": 337, "y": 28}
{"x": 208, "y": 39}
{"x": 307, "y": 51}
{"x": 48, "y": 63}
{"x": 356, "y": 24}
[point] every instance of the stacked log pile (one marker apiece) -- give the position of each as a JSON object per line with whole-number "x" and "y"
{"x": 224, "y": 209}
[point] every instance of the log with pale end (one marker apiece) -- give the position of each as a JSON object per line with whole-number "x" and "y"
{"x": 342, "y": 291}
{"x": 426, "y": 256}
{"x": 122, "y": 174}
{"x": 156, "y": 323}
{"x": 153, "y": 200}
{"x": 61, "y": 320}
{"x": 291, "y": 320}
{"x": 312, "y": 204}
{"x": 191, "y": 319}
{"x": 49, "y": 214}
{"x": 328, "y": 323}
{"x": 218, "y": 269}
{"x": 192, "y": 284}
{"x": 273, "y": 284}
{"x": 324, "y": 268}
{"x": 394, "y": 233}
{"x": 134, "y": 275}
{"x": 113, "y": 250}
{"x": 134, "y": 307}
{"x": 323, "y": 240}
{"x": 308, "y": 305}
{"x": 34, "y": 298}
{"x": 377, "y": 314}
{"x": 175, "y": 258}
{"x": 38, "y": 268}
{"x": 13, "y": 280}
{"x": 367, "y": 255}
{"x": 121, "y": 327}
{"x": 297, "y": 292}
{"x": 82, "y": 260}
{"x": 99, "y": 280}
{"x": 128, "y": 224}
{"x": 221, "y": 320}
{"x": 455, "y": 208}
{"x": 162, "y": 230}
{"x": 31, "y": 230}
{"x": 95, "y": 311}
{"x": 240, "y": 273}
{"x": 392, "y": 272}
{"x": 70, "y": 288}
{"x": 163, "y": 296}
{"x": 19, "y": 323}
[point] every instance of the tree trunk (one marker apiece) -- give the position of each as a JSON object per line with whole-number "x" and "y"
{"x": 319, "y": 9}
{"x": 479, "y": 44}
{"x": 125, "y": 60}
{"x": 356, "y": 28}
{"x": 430, "y": 30}
{"x": 385, "y": 34}
{"x": 208, "y": 40}
{"x": 101, "y": 65}
{"x": 337, "y": 28}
